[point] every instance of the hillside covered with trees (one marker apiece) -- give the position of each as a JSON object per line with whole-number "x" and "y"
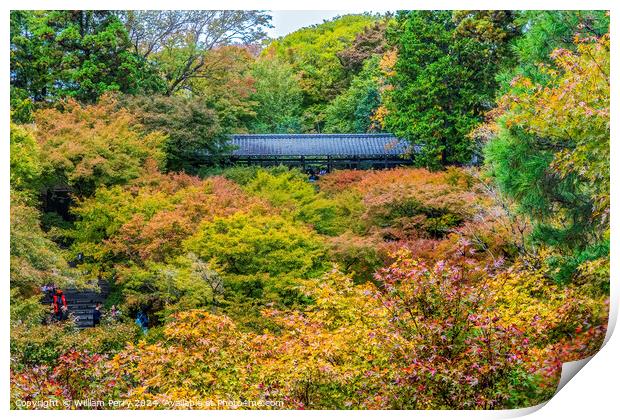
{"x": 442, "y": 285}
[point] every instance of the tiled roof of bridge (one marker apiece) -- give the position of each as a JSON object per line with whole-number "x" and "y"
{"x": 318, "y": 145}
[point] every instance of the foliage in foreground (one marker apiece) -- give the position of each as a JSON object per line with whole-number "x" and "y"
{"x": 392, "y": 346}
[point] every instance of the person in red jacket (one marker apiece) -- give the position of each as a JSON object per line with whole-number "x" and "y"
{"x": 60, "y": 305}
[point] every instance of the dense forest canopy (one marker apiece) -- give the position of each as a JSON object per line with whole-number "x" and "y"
{"x": 444, "y": 285}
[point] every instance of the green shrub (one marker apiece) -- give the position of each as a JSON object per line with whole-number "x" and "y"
{"x": 44, "y": 344}
{"x": 257, "y": 243}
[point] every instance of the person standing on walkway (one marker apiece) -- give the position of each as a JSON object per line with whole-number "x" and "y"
{"x": 49, "y": 290}
{"x": 60, "y": 305}
{"x": 97, "y": 315}
{"x": 143, "y": 321}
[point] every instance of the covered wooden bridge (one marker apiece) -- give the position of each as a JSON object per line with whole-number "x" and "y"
{"x": 327, "y": 151}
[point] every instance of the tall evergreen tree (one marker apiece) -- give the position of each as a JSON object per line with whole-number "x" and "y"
{"x": 444, "y": 79}
{"x": 548, "y": 145}
{"x": 81, "y": 54}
